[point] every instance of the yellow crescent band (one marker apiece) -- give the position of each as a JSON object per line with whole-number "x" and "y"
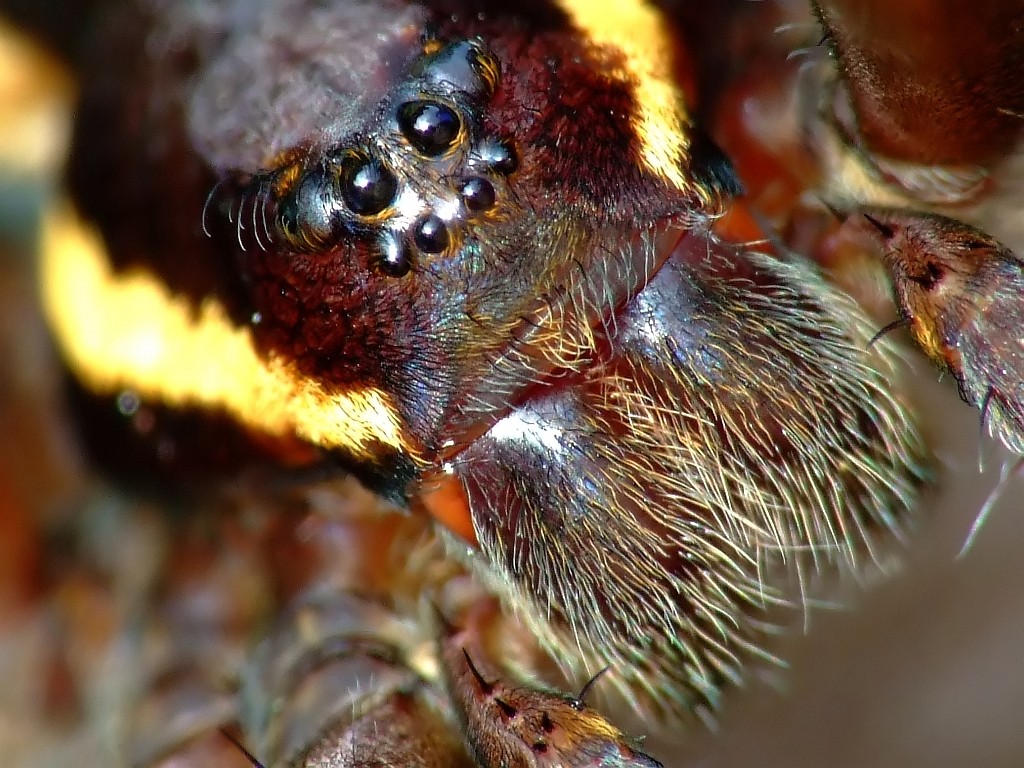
{"x": 637, "y": 31}
{"x": 128, "y": 331}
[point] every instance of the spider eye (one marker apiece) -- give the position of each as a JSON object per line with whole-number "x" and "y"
{"x": 395, "y": 259}
{"x": 431, "y": 235}
{"x": 431, "y": 128}
{"x": 367, "y": 186}
{"x": 477, "y": 194}
{"x": 500, "y": 157}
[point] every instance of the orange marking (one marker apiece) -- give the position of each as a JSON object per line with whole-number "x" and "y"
{"x": 444, "y": 498}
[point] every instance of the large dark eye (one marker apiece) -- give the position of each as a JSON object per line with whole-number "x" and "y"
{"x": 430, "y": 127}
{"x": 368, "y": 187}
{"x": 306, "y": 216}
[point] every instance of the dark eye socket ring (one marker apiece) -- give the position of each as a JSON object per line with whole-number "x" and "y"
{"x": 306, "y": 216}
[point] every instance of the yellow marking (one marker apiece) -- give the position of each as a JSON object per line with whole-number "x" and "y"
{"x": 638, "y": 32}
{"x": 35, "y": 97}
{"x": 128, "y": 330}
{"x": 926, "y": 334}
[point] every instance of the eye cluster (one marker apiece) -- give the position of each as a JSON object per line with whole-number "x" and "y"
{"x": 414, "y": 181}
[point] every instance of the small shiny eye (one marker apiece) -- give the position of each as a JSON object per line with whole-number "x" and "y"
{"x": 395, "y": 258}
{"x": 500, "y": 157}
{"x": 368, "y": 187}
{"x": 477, "y": 194}
{"x": 431, "y": 235}
{"x": 306, "y": 216}
{"x": 430, "y": 127}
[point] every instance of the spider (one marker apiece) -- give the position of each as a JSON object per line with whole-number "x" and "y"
{"x": 582, "y": 293}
